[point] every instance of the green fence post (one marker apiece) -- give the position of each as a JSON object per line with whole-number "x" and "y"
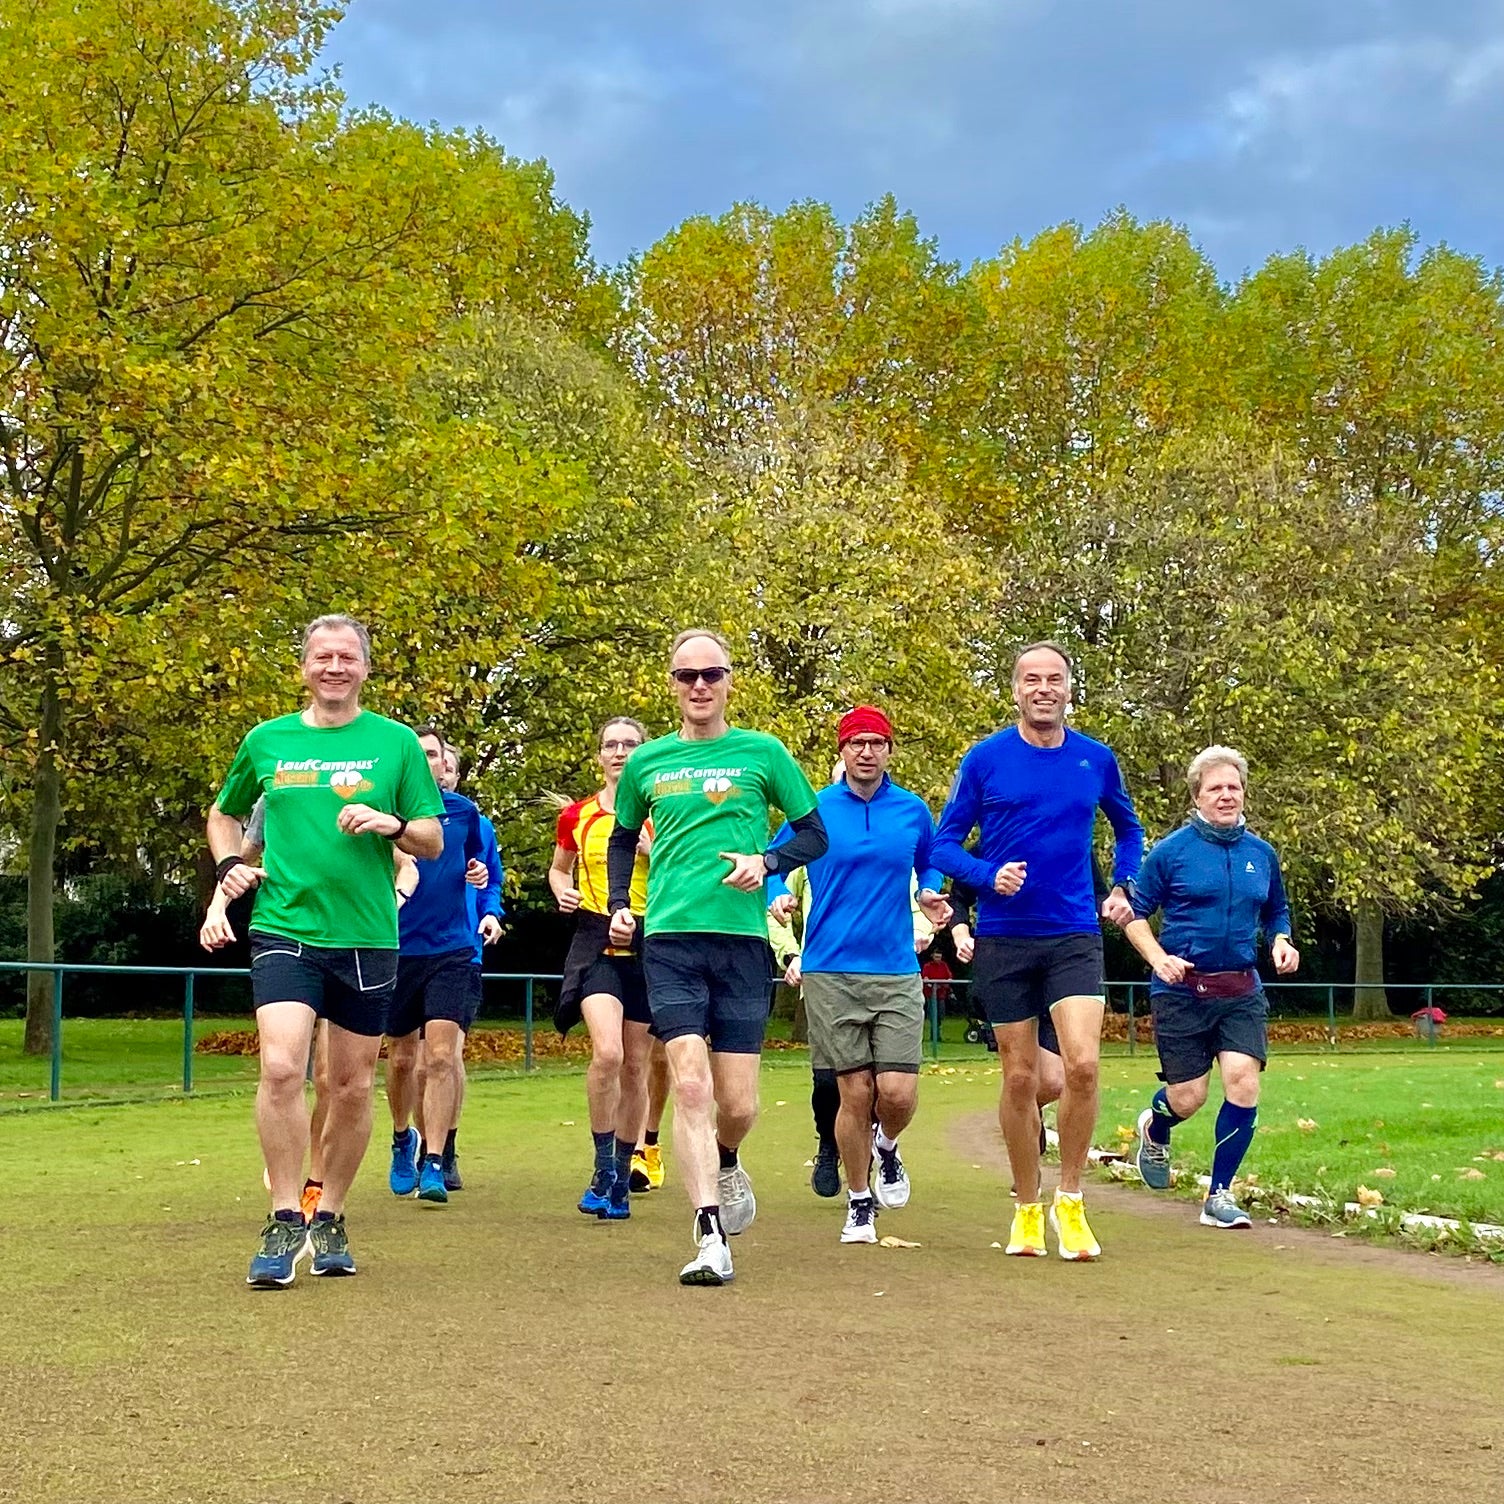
{"x": 188, "y": 1033}
{"x": 932, "y": 1006}
{"x": 527, "y": 1028}
{"x": 1331, "y": 1015}
{"x": 1431, "y": 1028}
{"x": 55, "y": 1088}
{"x": 1132, "y": 1019}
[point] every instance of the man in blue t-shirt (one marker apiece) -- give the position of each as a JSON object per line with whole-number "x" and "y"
{"x": 437, "y": 995}
{"x": 862, "y": 989}
{"x": 1034, "y": 790}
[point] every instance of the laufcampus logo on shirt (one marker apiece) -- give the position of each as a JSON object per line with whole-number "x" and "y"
{"x": 347, "y": 779}
{"x": 717, "y": 784}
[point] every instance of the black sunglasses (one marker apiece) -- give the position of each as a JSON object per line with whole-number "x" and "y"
{"x": 687, "y": 676}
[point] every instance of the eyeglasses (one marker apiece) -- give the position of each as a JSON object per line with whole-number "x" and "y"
{"x": 619, "y": 746}
{"x": 867, "y": 743}
{"x": 687, "y": 676}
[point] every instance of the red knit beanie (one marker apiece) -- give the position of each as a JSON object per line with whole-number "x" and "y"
{"x": 865, "y": 720}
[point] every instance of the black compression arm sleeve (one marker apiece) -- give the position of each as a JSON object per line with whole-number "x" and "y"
{"x": 621, "y": 855}
{"x": 808, "y": 842}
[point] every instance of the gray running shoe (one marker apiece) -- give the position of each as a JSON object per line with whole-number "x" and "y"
{"x": 738, "y": 1204}
{"x": 331, "y": 1247}
{"x": 1220, "y": 1210}
{"x": 890, "y": 1183}
{"x": 1151, "y": 1160}
{"x": 711, "y": 1265}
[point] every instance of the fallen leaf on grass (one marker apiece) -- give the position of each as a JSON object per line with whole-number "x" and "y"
{"x": 780, "y": 1104}
{"x": 994, "y": 1245}
{"x": 1306, "y": 1125}
{"x": 567, "y": 1123}
{"x": 1474, "y": 1175}
{"x": 1369, "y": 1197}
{"x": 897, "y": 1243}
{"x": 1385, "y": 1173}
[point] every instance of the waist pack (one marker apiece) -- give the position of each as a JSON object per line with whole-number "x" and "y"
{"x": 1222, "y": 983}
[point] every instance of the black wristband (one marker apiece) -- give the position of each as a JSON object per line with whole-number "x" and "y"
{"x": 226, "y": 865}
{"x": 396, "y": 835}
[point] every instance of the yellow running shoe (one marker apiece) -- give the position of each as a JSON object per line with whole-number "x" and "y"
{"x": 1026, "y": 1240}
{"x": 313, "y": 1193}
{"x": 652, "y": 1159}
{"x": 638, "y": 1182}
{"x": 1072, "y": 1230}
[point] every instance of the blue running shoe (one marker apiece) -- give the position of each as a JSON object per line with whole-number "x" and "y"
{"x": 331, "y": 1248}
{"x": 431, "y": 1185}
{"x": 274, "y": 1265}
{"x": 1151, "y": 1160}
{"x": 597, "y": 1197}
{"x": 619, "y": 1202}
{"x": 403, "y": 1178}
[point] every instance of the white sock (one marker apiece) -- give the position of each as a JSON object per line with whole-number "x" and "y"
{"x": 1067, "y": 1195}
{"x": 883, "y": 1142}
{"x": 858, "y": 1195}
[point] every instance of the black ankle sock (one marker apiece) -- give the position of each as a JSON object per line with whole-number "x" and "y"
{"x": 312, "y": 1184}
{"x": 289, "y": 1215}
{"x": 708, "y": 1220}
{"x": 449, "y": 1143}
{"x": 650, "y": 1138}
{"x": 728, "y": 1156}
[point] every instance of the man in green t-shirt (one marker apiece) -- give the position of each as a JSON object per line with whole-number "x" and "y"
{"x": 709, "y": 789}
{"x": 341, "y": 786}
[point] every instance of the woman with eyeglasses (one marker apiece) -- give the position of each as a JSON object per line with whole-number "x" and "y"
{"x": 603, "y": 983}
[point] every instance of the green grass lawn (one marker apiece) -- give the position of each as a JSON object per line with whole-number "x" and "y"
{"x": 1434, "y": 1117}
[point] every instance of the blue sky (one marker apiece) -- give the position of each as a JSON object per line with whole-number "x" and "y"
{"x": 1262, "y": 125}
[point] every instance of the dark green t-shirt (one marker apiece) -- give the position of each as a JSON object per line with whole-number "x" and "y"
{"x": 323, "y": 887}
{"x": 705, "y": 798}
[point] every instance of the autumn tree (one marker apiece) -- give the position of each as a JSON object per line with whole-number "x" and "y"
{"x": 218, "y": 296}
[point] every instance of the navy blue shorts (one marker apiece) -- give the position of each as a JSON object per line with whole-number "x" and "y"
{"x": 1190, "y": 1031}
{"x": 352, "y": 988}
{"x": 717, "y": 986}
{"x": 445, "y": 986}
{"x": 1016, "y": 978}
{"x": 619, "y": 977}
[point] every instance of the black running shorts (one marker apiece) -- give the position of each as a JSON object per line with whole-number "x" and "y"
{"x": 1015, "y": 978}
{"x": 1190, "y": 1032}
{"x": 716, "y": 986}
{"x": 445, "y": 986}
{"x": 351, "y": 987}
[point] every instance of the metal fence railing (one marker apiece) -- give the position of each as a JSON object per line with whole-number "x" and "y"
{"x": 942, "y": 998}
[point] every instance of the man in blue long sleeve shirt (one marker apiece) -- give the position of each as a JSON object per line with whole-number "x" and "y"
{"x": 1034, "y": 789}
{"x": 862, "y": 988}
{"x": 1219, "y": 885}
{"x": 437, "y": 994}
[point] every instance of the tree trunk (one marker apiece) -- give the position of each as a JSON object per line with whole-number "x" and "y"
{"x": 1369, "y": 998}
{"x": 46, "y": 814}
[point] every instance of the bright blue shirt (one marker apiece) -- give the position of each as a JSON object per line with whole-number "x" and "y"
{"x": 436, "y": 919}
{"x": 1037, "y": 805}
{"x": 1216, "y": 896}
{"x": 485, "y": 900}
{"x": 860, "y": 918}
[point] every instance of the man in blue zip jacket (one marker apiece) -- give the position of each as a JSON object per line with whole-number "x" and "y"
{"x": 862, "y": 989}
{"x": 438, "y": 992}
{"x": 1218, "y": 885}
{"x": 1035, "y": 788}
{"x": 483, "y": 880}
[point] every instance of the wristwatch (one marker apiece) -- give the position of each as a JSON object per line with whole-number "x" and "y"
{"x": 770, "y": 862}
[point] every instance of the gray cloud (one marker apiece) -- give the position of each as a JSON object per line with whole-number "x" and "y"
{"x": 1260, "y": 127}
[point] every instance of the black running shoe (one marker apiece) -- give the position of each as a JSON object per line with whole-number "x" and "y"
{"x": 825, "y": 1178}
{"x": 451, "y": 1167}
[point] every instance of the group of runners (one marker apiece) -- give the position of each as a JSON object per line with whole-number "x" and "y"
{"x": 377, "y": 884}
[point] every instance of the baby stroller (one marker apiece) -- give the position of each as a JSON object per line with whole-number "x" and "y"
{"x": 979, "y": 1031}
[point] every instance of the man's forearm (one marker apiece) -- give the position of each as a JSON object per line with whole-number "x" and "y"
{"x": 224, "y": 834}
{"x": 422, "y": 838}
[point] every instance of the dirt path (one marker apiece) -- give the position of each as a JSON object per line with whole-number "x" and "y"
{"x": 507, "y": 1349}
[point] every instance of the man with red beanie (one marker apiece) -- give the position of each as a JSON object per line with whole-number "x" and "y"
{"x": 862, "y": 990}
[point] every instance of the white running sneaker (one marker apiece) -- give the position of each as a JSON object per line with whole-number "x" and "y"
{"x": 711, "y": 1265}
{"x": 891, "y": 1182}
{"x": 861, "y": 1221}
{"x": 738, "y": 1204}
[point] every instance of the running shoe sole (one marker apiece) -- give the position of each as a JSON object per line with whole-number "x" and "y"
{"x": 1242, "y": 1220}
{"x": 271, "y": 1282}
{"x": 1084, "y": 1257}
{"x": 703, "y": 1274}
